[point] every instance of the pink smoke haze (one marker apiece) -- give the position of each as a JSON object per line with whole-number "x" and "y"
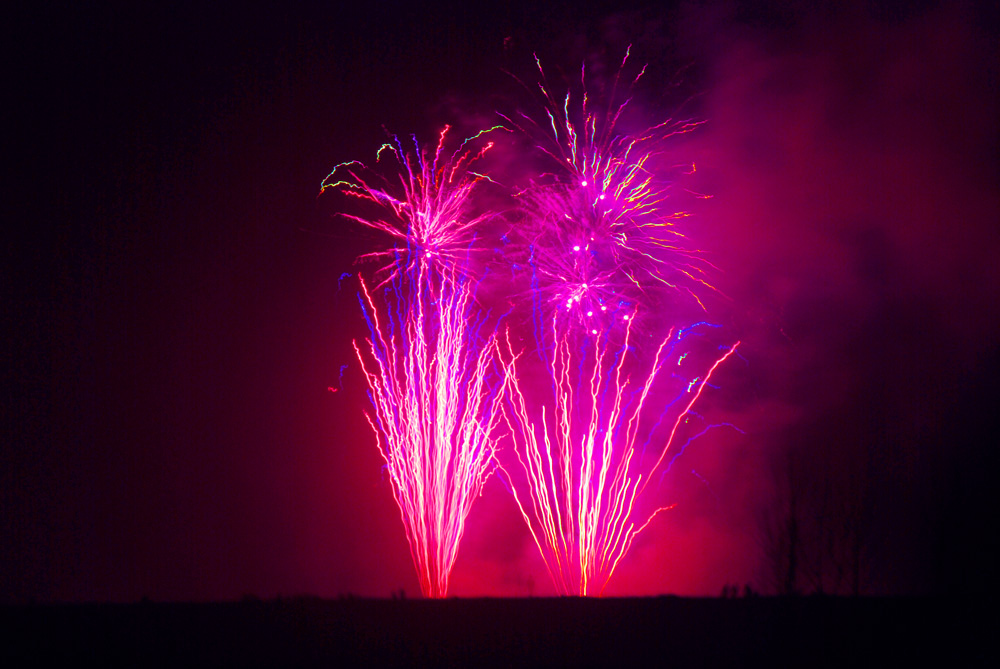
{"x": 179, "y": 303}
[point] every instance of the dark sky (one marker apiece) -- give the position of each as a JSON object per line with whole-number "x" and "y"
{"x": 173, "y": 316}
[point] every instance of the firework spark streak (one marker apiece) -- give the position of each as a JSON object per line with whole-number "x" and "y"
{"x": 601, "y": 230}
{"x": 429, "y": 361}
{"x": 581, "y": 450}
{"x": 435, "y": 414}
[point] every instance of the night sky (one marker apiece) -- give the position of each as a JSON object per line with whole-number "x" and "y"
{"x": 174, "y": 313}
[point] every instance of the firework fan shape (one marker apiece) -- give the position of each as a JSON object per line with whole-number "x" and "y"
{"x": 429, "y": 359}
{"x": 581, "y": 450}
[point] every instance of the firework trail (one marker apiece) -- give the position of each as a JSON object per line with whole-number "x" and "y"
{"x": 429, "y": 360}
{"x": 600, "y": 231}
{"x": 582, "y": 449}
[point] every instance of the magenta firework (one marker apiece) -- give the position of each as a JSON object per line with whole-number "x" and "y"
{"x": 428, "y": 359}
{"x": 591, "y": 424}
{"x": 590, "y": 413}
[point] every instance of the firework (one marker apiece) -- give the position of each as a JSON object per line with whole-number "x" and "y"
{"x": 602, "y": 238}
{"x": 599, "y": 230}
{"x": 429, "y": 212}
{"x": 603, "y": 242}
{"x": 429, "y": 359}
{"x": 581, "y": 449}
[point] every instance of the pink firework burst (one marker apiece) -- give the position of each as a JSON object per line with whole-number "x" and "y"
{"x": 601, "y": 230}
{"x": 427, "y": 209}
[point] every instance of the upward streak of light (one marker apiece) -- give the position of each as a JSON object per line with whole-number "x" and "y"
{"x": 602, "y": 230}
{"x": 580, "y": 455}
{"x": 428, "y": 371}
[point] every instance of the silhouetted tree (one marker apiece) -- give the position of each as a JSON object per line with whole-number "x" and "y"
{"x": 779, "y": 536}
{"x": 813, "y": 532}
